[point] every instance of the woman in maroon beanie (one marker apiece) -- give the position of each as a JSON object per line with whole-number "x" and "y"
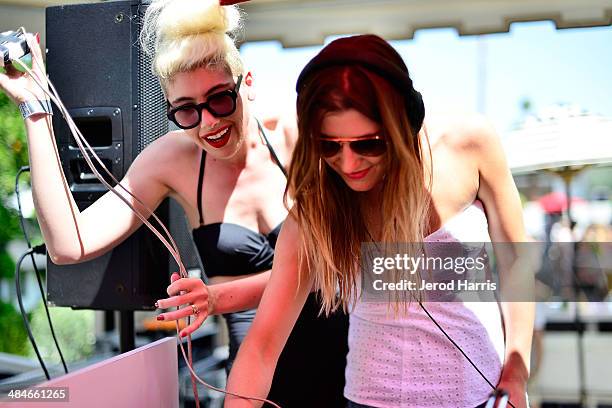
{"x": 366, "y": 169}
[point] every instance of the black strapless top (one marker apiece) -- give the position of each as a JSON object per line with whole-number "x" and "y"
{"x": 229, "y": 249}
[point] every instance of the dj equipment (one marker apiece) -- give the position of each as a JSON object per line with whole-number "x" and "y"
{"x": 13, "y": 45}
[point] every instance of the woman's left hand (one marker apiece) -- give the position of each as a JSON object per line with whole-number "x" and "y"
{"x": 517, "y": 391}
{"x": 191, "y": 293}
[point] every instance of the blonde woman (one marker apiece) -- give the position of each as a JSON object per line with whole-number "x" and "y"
{"x": 363, "y": 170}
{"x": 222, "y": 166}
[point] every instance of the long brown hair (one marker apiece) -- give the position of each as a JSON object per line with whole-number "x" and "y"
{"x": 330, "y": 219}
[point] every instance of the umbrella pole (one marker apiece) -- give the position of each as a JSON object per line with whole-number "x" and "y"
{"x": 567, "y": 174}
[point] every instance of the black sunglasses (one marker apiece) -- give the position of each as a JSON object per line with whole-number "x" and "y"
{"x": 220, "y": 105}
{"x": 365, "y": 146}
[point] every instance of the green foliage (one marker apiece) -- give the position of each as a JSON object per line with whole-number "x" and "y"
{"x": 13, "y": 155}
{"x": 9, "y": 224}
{"x": 14, "y": 339}
{"x": 9, "y": 229}
{"x": 74, "y": 329}
{"x": 13, "y": 147}
{"x": 7, "y": 265}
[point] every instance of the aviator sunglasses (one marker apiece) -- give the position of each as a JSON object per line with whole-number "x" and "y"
{"x": 365, "y": 146}
{"x": 220, "y": 105}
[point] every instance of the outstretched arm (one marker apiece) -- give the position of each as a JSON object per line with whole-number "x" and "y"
{"x": 502, "y": 203}
{"x": 73, "y": 236}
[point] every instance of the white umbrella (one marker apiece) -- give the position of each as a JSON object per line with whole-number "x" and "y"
{"x": 553, "y": 142}
{"x": 563, "y": 141}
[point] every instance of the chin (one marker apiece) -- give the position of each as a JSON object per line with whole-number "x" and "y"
{"x": 360, "y": 186}
{"x": 226, "y": 152}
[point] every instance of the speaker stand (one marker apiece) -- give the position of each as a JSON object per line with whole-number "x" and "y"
{"x": 126, "y": 330}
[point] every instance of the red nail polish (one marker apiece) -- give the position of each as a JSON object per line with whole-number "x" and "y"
{"x": 160, "y": 317}
{"x": 37, "y": 37}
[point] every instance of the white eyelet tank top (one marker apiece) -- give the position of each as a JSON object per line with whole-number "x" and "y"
{"x": 407, "y": 362}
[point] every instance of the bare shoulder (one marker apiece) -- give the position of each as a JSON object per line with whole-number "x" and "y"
{"x": 166, "y": 157}
{"x": 168, "y": 149}
{"x": 286, "y": 258}
{"x": 291, "y": 230}
{"x": 289, "y": 238}
{"x": 173, "y": 143}
{"x": 466, "y": 131}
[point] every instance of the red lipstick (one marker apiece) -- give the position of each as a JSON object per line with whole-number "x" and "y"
{"x": 358, "y": 174}
{"x": 219, "y": 137}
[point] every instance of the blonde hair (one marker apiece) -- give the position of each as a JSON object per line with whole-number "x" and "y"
{"x": 331, "y": 221}
{"x": 182, "y": 35}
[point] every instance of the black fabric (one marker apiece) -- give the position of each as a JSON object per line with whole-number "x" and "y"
{"x": 310, "y": 370}
{"x": 230, "y": 249}
{"x": 200, "y": 182}
{"x": 376, "y": 55}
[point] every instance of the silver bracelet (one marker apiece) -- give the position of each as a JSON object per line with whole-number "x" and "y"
{"x": 29, "y": 108}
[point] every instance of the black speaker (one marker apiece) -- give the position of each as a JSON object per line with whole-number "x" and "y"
{"x": 104, "y": 78}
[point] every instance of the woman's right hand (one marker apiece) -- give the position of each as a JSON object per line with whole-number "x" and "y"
{"x": 187, "y": 291}
{"x": 20, "y": 86}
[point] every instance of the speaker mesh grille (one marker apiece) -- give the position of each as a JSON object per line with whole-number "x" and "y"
{"x": 152, "y": 121}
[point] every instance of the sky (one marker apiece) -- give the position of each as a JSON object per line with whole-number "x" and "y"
{"x": 534, "y": 62}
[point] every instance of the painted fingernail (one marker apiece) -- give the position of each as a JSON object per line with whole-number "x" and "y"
{"x": 181, "y": 334}
{"x": 157, "y": 305}
{"x": 37, "y": 35}
{"x": 160, "y": 317}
